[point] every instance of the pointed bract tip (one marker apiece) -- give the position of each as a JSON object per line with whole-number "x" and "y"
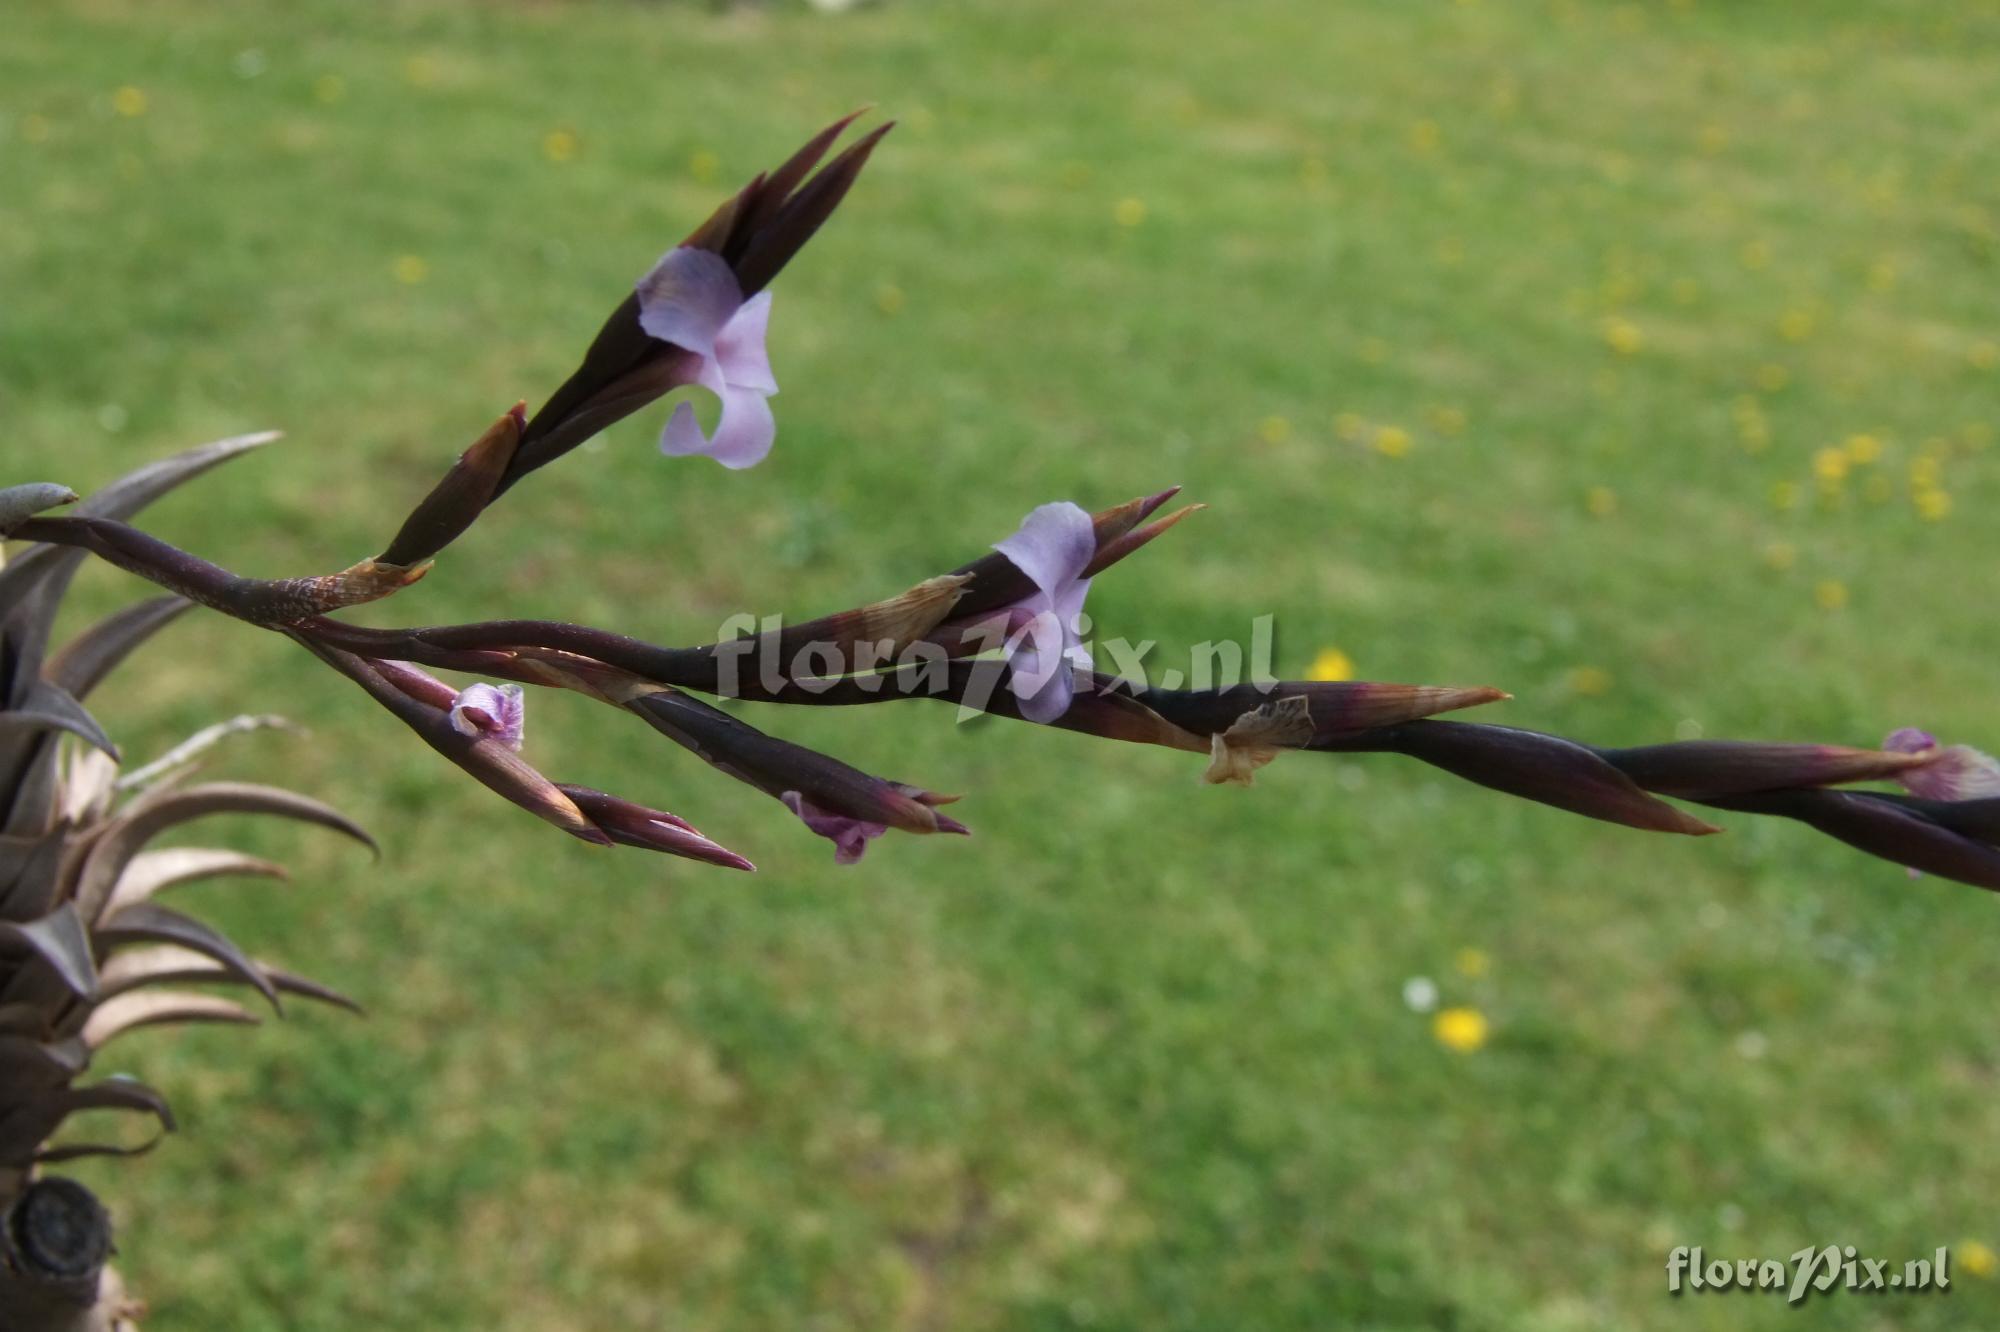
{"x": 1119, "y": 547}
{"x": 1151, "y": 503}
{"x": 950, "y": 825}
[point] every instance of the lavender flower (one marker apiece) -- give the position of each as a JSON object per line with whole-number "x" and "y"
{"x": 1959, "y": 772}
{"x": 850, "y": 837}
{"x": 493, "y": 712}
{"x": 692, "y": 299}
{"x": 1054, "y": 545}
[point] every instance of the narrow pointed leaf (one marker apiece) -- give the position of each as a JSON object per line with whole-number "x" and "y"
{"x": 151, "y": 872}
{"x": 153, "y": 1008}
{"x": 49, "y": 707}
{"x": 158, "y": 811}
{"x": 60, "y": 940}
{"x": 33, "y": 583}
{"x": 148, "y": 922}
{"x": 290, "y": 982}
{"x": 95, "y": 653}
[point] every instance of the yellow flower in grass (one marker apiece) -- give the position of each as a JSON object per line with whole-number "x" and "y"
{"x": 1932, "y": 505}
{"x": 1830, "y": 465}
{"x": 1392, "y": 441}
{"x": 559, "y": 145}
{"x": 1460, "y": 1029}
{"x": 889, "y": 298}
{"x": 1623, "y": 336}
{"x": 1424, "y": 137}
{"x": 129, "y": 101}
{"x": 329, "y": 88}
{"x": 1129, "y": 212}
{"x": 1830, "y": 594}
{"x": 410, "y": 269}
{"x": 1862, "y": 449}
{"x": 1976, "y": 1259}
{"x": 1796, "y": 325}
{"x": 1600, "y": 501}
{"x": 704, "y": 165}
{"x": 1332, "y": 665}
{"x": 1472, "y": 962}
{"x": 1274, "y": 430}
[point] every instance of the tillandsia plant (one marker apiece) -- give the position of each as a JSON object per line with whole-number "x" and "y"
{"x": 88, "y": 952}
{"x": 1000, "y": 634}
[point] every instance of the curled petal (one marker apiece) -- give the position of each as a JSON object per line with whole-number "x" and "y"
{"x": 1955, "y": 772}
{"x": 739, "y": 350}
{"x": 743, "y": 434}
{"x": 1039, "y": 667}
{"x": 493, "y": 712}
{"x": 1052, "y": 547}
{"x": 1054, "y": 544}
{"x": 850, "y": 837}
{"x": 687, "y": 299}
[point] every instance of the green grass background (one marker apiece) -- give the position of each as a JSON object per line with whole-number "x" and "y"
{"x": 1136, "y": 1055}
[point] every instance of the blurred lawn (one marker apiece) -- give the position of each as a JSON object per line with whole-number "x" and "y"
{"x": 1627, "y": 280}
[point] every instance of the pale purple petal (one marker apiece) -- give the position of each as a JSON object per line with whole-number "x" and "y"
{"x": 739, "y": 349}
{"x": 1909, "y": 740}
{"x": 1052, "y": 699}
{"x": 743, "y": 434}
{"x": 1959, "y": 772}
{"x": 1053, "y": 546}
{"x": 1038, "y": 664}
{"x": 688, "y": 299}
{"x": 490, "y": 712}
{"x": 850, "y": 837}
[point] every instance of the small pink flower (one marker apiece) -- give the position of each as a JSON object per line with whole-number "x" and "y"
{"x": 1959, "y": 772}
{"x": 490, "y": 712}
{"x": 691, "y": 299}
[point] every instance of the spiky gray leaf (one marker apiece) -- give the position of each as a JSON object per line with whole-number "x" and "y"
{"x": 95, "y": 653}
{"x": 60, "y": 940}
{"x": 32, "y": 585}
{"x": 49, "y": 707}
{"x": 148, "y": 922}
{"x": 152, "y": 1008}
{"x": 151, "y": 872}
{"x": 157, "y": 811}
